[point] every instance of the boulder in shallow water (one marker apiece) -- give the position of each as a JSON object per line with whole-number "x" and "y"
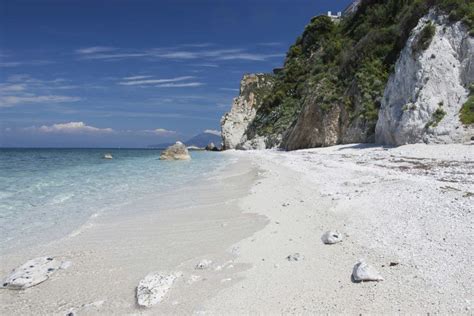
{"x": 211, "y": 147}
{"x": 177, "y": 151}
{"x": 33, "y": 272}
{"x": 365, "y": 272}
{"x": 153, "y": 288}
{"x": 331, "y": 237}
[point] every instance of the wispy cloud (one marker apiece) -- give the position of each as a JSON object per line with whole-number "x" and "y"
{"x": 181, "y": 85}
{"x": 149, "y": 81}
{"x": 229, "y": 89}
{"x": 10, "y": 101}
{"x": 182, "y": 52}
{"x": 134, "y": 82}
{"x": 159, "y": 132}
{"x": 94, "y": 50}
{"x": 213, "y": 132}
{"x": 69, "y": 128}
{"x": 8, "y": 64}
{"x": 136, "y": 77}
{"x": 5, "y": 87}
{"x": 24, "y": 89}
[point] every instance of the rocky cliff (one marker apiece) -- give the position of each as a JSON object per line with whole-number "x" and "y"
{"x": 234, "y": 124}
{"x": 425, "y": 94}
{"x": 409, "y": 60}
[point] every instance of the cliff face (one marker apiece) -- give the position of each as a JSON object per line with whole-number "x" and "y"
{"x": 400, "y": 58}
{"x": 424, "y": 96}
{"x": 235, "y": 123}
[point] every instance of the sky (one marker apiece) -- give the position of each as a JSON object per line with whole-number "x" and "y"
{"x": 96, "y": 73}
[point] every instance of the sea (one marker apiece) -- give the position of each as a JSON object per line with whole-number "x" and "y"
{"x": 46, "y": 194}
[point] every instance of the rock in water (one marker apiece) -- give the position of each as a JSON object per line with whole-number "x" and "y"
{"x": 33, "y": 272}
{"x": 365, "y": 272}
{"x": 203, "y": 264}
{"x": 153, "y": 288}
{"x": 211, "y": 147}
{"x": 177, "y": 151}
{"x": 331, "y": 237}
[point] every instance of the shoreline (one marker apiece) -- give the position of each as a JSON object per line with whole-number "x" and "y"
{"x": 109, "y": 258}
{"x": 405, "y": 210}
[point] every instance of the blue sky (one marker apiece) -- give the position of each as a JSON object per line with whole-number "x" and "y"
{"x": 133, "y": 73}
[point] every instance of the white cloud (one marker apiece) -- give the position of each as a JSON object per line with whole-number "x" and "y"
{"x": 70, "y": 128}
{"x": 159, "y": 131}
{"x": 198, "y": 51}
{"x": 133, "y": 82}
{"x": 213, "y": 132}
{"x": 136, "y": 77}
{"x": 229, "y": 89}
{"x": 4, "y": 87}
{"x": 7, "y": 64}
{"x": 181, "y": 85}
{"x": 12, "y": 100}
{"x": 95, "y": 49}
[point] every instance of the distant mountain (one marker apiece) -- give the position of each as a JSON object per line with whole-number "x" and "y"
{"x": 200, "y": 140}
{"x": 203, "y": 139}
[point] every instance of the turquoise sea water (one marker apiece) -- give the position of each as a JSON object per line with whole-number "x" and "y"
{"x": 47, "y": 193}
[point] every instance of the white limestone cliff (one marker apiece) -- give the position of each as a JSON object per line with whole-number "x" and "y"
{"x": 244, "y": 108}
{"x": 423, "y": 97}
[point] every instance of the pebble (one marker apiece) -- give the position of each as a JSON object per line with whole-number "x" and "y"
{"x": 331, "y": 237}
{"x": 295, "y": 257}
{"x": 203, "y": 264}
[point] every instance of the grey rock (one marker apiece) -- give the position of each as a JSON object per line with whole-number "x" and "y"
{"x": 33, "y": 272}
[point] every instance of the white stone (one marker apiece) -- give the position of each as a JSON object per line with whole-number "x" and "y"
{"x": 438, "y": 77}
{"x": 331, "y": 237}
{"x": 365, "y": 272}
{"x": 152, "y": 289}
{"x": 203, "y": 264}
{"x": 33, "y": 272}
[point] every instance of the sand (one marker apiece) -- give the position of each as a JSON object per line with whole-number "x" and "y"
{"x": 407, "y": 211}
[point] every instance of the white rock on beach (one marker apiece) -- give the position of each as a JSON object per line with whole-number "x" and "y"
{"x": 331, "y": 237}
{"x": 33, "y": 272}
{"x": 203, "y": 264}
{"x": 365, "y": 272}
{"x": 152, "y": 289}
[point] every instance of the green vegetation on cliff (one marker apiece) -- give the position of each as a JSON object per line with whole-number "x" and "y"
{"x": 467, "y": 111}
{"x": 347, "y": 63}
